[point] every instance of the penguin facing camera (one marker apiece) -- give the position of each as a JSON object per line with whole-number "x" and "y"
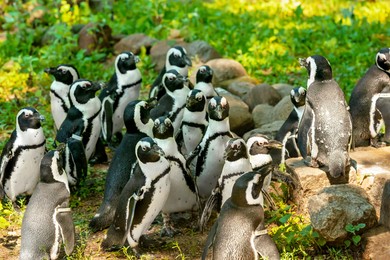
{"x": 138, "y": 125}
{"x": 64, "y": 76}
{"x": 142, "y": 198}
{"x": 21, "y": 155}
{"x": 176, "y": 59}
{"x": 239, "y": 232}
{"x": 324, "y": 132}
{"x": 204, "y": 78}
{"x": 370, "y": 103}
{"x": 287, "y": 133}
{"x": 47, "y": 221}
{"x": 123, "y": 87}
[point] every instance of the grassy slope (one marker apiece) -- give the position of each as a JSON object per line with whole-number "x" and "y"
{"x": 266, "y": 37}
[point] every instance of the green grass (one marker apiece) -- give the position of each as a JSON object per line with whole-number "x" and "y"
{"x": 266, "y": 37}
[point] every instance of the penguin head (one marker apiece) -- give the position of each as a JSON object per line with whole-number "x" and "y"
{"x": 64, "y": 73}
{"x": 383, "y": 59}
{"x": 126, "y": 61}
{"x": 173, "y": 80}
{"x": 196, "y": 101}
{"x": 235, "y": 150}
{"x": 298, "y": 96}
{"x": 218, "y": 108}
{"x": 82, "y": 90}
{"x": 148, "y": 151}
{"x": 261, "y": 144}
{"x": 247, "y": 188}
{"x": 136, "y": 113}
{"x": 28, "y": 118}
{"x": 52, "y": 167}
{"x": 204, "y": 74}
{"x": 163, "y": 128}
{"x": 177, "y": 57}
{"x": 318, "y": 68}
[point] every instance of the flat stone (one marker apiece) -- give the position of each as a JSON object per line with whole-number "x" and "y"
{"x": 376, "y": 243}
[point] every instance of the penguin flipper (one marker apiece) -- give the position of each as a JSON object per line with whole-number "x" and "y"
{"x": 77, "y": 151}
{"x": 107, "y": 125}
{"x": 211, "y": 203}
{"x": 210, "y": 240}
{"x": 304, "y": 130}
{"x": 264, "y": 245}
{"x": 6, "y": 156}
{"x": 65, "y": 222}
{"x": 72, "y": 124}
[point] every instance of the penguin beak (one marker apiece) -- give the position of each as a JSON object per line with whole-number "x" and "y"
{"x": 152, "y": 102}
{"x": 273, "y": 144}
{"x": 303, "y": 62}
{"x": 187, "y": 61}
{"x": 157, "y": 149}
{"x": 136, "y": 59}
{"x": 97, "y": 86}
{"x": 61, "y": 148}
{"x": 50, "y": 70}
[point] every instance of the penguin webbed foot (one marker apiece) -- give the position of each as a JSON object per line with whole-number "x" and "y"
{"x": 311, "y": 162}
{"x": 168, "y": 230}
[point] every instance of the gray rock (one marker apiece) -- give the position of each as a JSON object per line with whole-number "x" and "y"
{"x": 94, "y": 36}
{"x": 226, "y": 69}
{"x": 239, "y": 87}
{"x": 159, "y": 50}
{"x": 270, "y": 129}
{"x": 338, "y": 205}
{"x": 52, "y": 32}
{"x": 134, "y": 43}
{"x": 262, "y": 94}
{"x": 283, "y": 109}
{"x": 283, "y": 89}
{"x": 262, "y": 114}
{"x": 202, "y": 51}
{"x": 240, "y": 118}
{"x": 385, "y": 206}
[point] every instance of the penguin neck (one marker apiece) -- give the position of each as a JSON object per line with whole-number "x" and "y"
{"x": 259, "y": 160}
{"x": 90, "y": 108}
{"x": 182, "y": 70}
{"x": 241, "y": 165}
{"x": 30, "y": 136}
{"x": 198, "y": 117}
{"x": 219, "y": 126}
{"x": 179, "y": 96}
{"x": 60, "y": 88}
{"x": 207, "y": 89}
{"x": 128, "y": 78}
{"x": 169, "y": 146}
{"x": 62, "y": 178}
{"x": 299, "y": 111}
{"x": 152, "y": 170}
{"x": 145, "y": 128}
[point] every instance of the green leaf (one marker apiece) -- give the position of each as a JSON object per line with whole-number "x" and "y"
{"x": 347, "y": 243}
{"x": 285, "y": 218}
{"x": 356, "y": 240}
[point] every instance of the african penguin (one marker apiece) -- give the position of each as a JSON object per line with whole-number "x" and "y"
{"x": 123, "y": 87}
{"x": 47, "y": 221}
{"x": 22, "y": 154}
{"x": 174, "y": 100}
{"x": 64, "y": 76}
{"x": 183, "y": 195}
{"x": 324, "y": 132}
{"x": 239, "y": 232}
{"x": 207, "y": 160}
{"x": 194, "y": 122}
{"x": 287, "y": 133}
{"x": 142, "y": 198}
{"x": 83, "y": 115}
{"x": 370, "y": 104}
{"x": 138, "y": 125}
{"x": 236, "y": 164}
{"x": 204, "y": 77}
{"x": 177, "y": 59}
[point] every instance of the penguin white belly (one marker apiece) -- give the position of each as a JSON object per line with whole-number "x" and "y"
{"x": 212, "y": 166}
{"x": 129, "y": 95}
{"x": 26, "y": 173}
{"x": 180, "y": 198}
{"x": 192, "y": 137}
{"x": 95, "y": 132}
{"x": 56, "y": 104}
{"x": 159, "y": 197}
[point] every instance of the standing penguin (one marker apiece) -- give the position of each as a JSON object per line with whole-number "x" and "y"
{"x": 366, "y": 104}
{"x": 48, "y": 217}
{"x": 174, "y": 100}
{"x": 64, "y": 76}
{"x": 207, "y": 159}
{"x": 138, "y": 125}
{"x": 176, "y": 59}
{"x": 204, "y": 78}
{"x": 183, "y": 195}
{"x": 22, "y": 154}
{"x": 325, "y": 129}
{"x": 239, "y": 231}
{"x": 287, "y": 133}
{"x": 194, "y": 122}
{"x": 142, "y": 198}
{"x": 236, "y": 164}
{"x": 83, "y": 116}
{"x": 123, "y": 87}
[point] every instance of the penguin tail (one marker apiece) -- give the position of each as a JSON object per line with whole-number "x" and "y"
{"x": 337, "y": 164}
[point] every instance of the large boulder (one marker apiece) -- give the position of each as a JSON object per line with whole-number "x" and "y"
{"x": 94, "y": 36}
{"x": 282, "y": 109}
{"x": 333, "y": 207}
{"x": 134, "y": 43}
{"x": 226, "y": 69}
{"x": 262, "y": 115}
{"x": 202, "y": 51}
{"x": 262, "y": 94}
{"x": 283, "y": 89}
{"x": 385, "y": 206}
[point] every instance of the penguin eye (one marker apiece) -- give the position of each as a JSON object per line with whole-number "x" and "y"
{"x": 176, "y": 55}
{"x": 26, "y": 115}
{"x": 171, "y": 78}
{"x": 199, "y": 98}
{"x": 144, "y": 148}
{"x": 64, "y": 71}
{"x": 203, "y": 70}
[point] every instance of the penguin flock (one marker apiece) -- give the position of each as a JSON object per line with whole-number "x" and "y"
{"x": 178, "y": 153}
